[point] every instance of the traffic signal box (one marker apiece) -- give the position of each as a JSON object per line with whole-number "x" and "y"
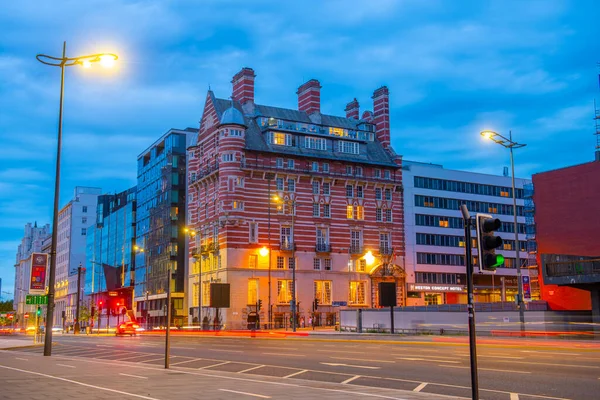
{"x": 488, "y": 242}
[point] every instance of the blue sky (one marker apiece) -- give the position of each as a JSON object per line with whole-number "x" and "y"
{"x": 453, "y": 69}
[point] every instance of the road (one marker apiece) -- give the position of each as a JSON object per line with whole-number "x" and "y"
{"x": 518, "y": 370}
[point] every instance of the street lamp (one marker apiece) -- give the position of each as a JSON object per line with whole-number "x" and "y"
{"x": 292, "y": 204}
{"x": 106, "y": 60}
{"x": 193, "y": 233}
{"x": 509, "y": 144}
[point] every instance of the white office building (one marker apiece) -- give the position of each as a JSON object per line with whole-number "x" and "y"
{"x": 435, "y": 236}
{"x": 73, "y": 221}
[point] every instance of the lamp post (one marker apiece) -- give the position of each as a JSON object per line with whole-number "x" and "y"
{"x": 510, "y": 144}
{"x": 193, "y": 234}
{"x": 107, "y": 60}
{"x": 77, "y": 327}
{"x": 269, "y": 177}
{"x": 292, "y": 205}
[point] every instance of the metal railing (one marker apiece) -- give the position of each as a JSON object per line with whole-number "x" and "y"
{"x": 574, "y": 267}
{"x": 356, "y": 249}
{"x": 323, "y": 248}
{"x": 202, "y": 172}
{"x": 287, "y": 246}
{"x": 385, "y": 250}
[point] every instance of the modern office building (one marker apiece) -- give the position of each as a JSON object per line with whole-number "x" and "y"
{"x": 160, "y": 223}
{"x": 110, "y": 253}
{"x": 73, "y": 221}
{"x": 336, "y": 220}
{"x": 32, "y": 242}
{"x": 435, "y": 236}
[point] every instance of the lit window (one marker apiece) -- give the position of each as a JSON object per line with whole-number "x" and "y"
{"x": 349, "y": 212}
{"x": 357, "y": 292}
{"x": 238, "y": 205}
{"x": 323, "y": 292}
{"x": 252, "y": 291}
{"x": 282, "y": 139}
{"x": 252, "y": 261}
{"x": 360, "y": 212}
{"x": 508, "y": 246}
{"x": 443, "y": 222}
{"x": 362, "y": 265}
{"x": 338, "y": 132}
{"x": 284, "y": 290}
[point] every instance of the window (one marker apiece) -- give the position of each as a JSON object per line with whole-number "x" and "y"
{"x": 291, "y": 263}
{"x": 316, "y": 208}
{"x": 326, "y": 211}
{"x": 359, "y": 192}
{"x": 357, "y": 292}
{"x": 377, "y": 173}
{"x": 227, "y": 157}
{"x": 348, "y": 170}
{"x": 388, "y": 215}
{"x": 317, "y": 264}
{"x": 347, "y": 147}
{"x": 325, "y": 167}
{"x": 507, "y": 245}
{"x": 280, "y": 262}
{"x": 349, "y": 212}
{"x": 252, "y": 261}
{"x": 235, "y": 132}
{"x": 327, "y": 262}
{"x": 359, "y": 171}
{"x": 349, "y": 191}
{"x": 326, "y": 188}
{"x": 84, "y": 209}
{"x": 362, "y": 265}
{"x": 314, "y": 166}
{"x": 378, "y": 194}
{"x": 290, "y": 163}
{"x": 386, "y": 174}
{"x": 237, "y": 205}
{"x": 443, "y": 222}
{"x": 388, "y": 194}
{"x": 315, "y": 187}
{"x": 356, "y": 241}
{"x": 315, "y": 143}
{"x": 195, "y": 294}
{"x": 252, "y": 291}
{"x": 83, "y": 231}
{"x": 284, "y": 290}
{"x": 279, "y": 184}
{"x": 84, "y": 220}
{"x": 323, "y": 292}
{"x": 279, "y": 163}
{"x": 384, "y": 243}
{"x": 337, "y": 132}
{"x": 282, "y": 139}
{"x": 206, "y": 293}
{"x": 322, "y": 236}
{"x": 378, "y": 214}
{"x": 360, "y": 212}
{"x": 253, "y": 232}
{"x": 286, "y": 236}
{"x": 291, "y": 185}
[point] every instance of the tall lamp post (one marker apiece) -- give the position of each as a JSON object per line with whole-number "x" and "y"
{"x": 269, "y": 177}
{"x": 192, "y": 233}
{"x": 107, "y": 60}
{"x": 510, "y": 144}
{"x": 292, "y": 247}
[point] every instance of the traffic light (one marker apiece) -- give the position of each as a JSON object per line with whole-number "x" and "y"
{"x": 316, "y": 304}
{"x": 100, "y": 305}
{"x": 259, "y": 304}
{"x": 93, "y": 311}
{"x": 488, "y": 242}
{"x": 39, "y": 311}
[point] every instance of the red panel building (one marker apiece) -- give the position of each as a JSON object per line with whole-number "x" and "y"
{"x": 323, "y": 193}
{"x": 567, "y": 217}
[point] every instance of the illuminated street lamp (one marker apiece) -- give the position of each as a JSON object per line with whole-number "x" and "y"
{"x": 106, "y": 60}
{"x": 509, "y": 144}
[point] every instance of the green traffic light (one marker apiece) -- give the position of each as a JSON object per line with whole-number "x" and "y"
{"x": 499, "y": 260}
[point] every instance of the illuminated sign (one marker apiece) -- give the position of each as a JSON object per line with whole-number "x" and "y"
{"x": 434, "y": 287}
{"x": 526, "y": 288}
{"x": 39, "y": 264}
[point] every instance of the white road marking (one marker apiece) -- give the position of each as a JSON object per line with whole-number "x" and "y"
{"x": 420, "y": 387}
{"x": 65, "y": 365}
{"x": 23, "y": 359}
{"x": 215, "y": 365}
{"x": 361, "y": 359}
{"x": 346, "y": 352}
{"x": 487, "y": 369}
{"x": 228, "y": 351}
{"x": 276, "y": 348}
{"x": 138, "y": 356}
{"x": 514, "y": 396}
{"x": 350, "y": 379}
{"x": 135, "y": 376}
{"x": 550, "y": 352}
{"x": 296, "y": 373}
{"x": 247, "y": 394}
{"x": 348, "y": 365}
{"x": 186, "y": 361}
{"x": 251, "y": 369}
{"x": 103, "y": 345}
{"x": 427, "y": 359}
{"x": 285, "y": 355}
{"x": 80, "y": 383}
{"x": 512, "y": 358}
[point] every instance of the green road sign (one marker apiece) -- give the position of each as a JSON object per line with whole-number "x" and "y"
{"x": 36, "y": 299}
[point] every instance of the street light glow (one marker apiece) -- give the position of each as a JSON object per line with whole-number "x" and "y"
{"x": 107, "y": 61}
{"x": 263, "y": 251}
{"x": 369, "y": 258}
{"x": 86, "y": 63}
{"x": 487, "y": 134}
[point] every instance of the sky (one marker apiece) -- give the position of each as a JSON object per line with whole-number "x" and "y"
{"x": 453, "y": 68}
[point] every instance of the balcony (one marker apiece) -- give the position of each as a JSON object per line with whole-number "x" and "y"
{"x": 323, "y": 248}
{"x": 385, "y": 250}
{"x": 209, "y": 248}
{"x": 287, "y": 246}
{"x": 203, "y": 172}
{"x": 355, "y": 249}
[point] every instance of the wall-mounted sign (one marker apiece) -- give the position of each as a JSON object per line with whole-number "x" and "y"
{"x": 113, "y": 294}
{"x": 434, "y": 287}
{"x": 39, "y": 264}
{"x": 526, "y": 288}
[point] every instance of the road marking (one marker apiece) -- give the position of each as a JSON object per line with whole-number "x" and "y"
{"x": 228, "y": 351}
{"x": 285, "y": 355}
{"x": 24, "y": 359}
{"x": 345, "y": 351}
{"x": 276, "y": 348}
{"x": 296, "y": 373}
{"x": 361, "y": 359}
{"x": 487, "y": 369}
{"x": 350, "y": 379}
{"x": 514, "y": 396}
{"x": 247, "y": 394}
{"x": 81, "y": 383}
{"x": 186, "y": 361}
{"x": 134, "y": 357}
{"x": 553, "y": 364}
{"x": 420, "y": 387}
{"x": 135, "y": 376}
{"x": 348, "y": 365}
{"x": 427, "y": 359}
{"x": 215, "y": 365}
{"x": 65, "y": 365}
{"x": 154, "y": 359}
{"x": 251, "y": 369}
{"x": 512, "y": 358}
{"x": 550, "y": 352}
{"x": 103, "y": 345}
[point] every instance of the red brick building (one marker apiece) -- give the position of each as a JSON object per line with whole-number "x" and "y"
{"x": 567, "y": 217}
{"x": 323, "y": 192}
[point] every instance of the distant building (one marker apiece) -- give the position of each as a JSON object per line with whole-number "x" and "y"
{"x": 110, "y": 253}
{"x": 160, "y": 222}
{"x": 338, "y": 184}
{"x": 435, "y": 236}
{"x": 73, "y": 221}
{"x": 32, "y": 242}
{"x": 567, "y": 217}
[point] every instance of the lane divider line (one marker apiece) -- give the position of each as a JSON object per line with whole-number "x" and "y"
{"x": 420, "y": 387}
{"x": 296, "y": 373}
{"x": 215, "y": 365}
{"x": 65, "y": 365}
{"x": 251, "y": 369}
{"x": 350, "y": 379}
{"x": 246, "y": 393}
{"x": 134, "y": 376}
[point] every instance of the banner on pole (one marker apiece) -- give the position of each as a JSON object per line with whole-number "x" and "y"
{"x": 39, "y": 265}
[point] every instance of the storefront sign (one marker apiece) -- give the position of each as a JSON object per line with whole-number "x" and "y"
{"x": 39, "y": 263}
{"x": 526, "y": 288}
{"x": 434, "y": 287}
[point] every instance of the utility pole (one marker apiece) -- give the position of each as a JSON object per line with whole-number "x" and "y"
{"x": 77, "y": 327}
{"x": 269, "y": 177}
{"x": 168, "y": 332}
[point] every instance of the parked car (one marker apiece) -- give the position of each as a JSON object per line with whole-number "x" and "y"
{"x": 127, "y": 328}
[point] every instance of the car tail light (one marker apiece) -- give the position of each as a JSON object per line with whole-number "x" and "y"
{"x": 135, "y": 326}
{"x": 122, "y": 326}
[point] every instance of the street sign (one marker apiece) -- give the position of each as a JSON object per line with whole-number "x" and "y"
{"x": 113, "y": 294}
{"x": 26, "y": 316}
{"x": 39, "y": 263}
{"x": 36, "y": 299}
{"x": 526, "y": 288}
{"x": 339, "y": 303}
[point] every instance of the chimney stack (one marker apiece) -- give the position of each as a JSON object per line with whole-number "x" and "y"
{"x": 381, "y": 115}
{"x": 367, "y": 116}
{"x": 352, "y": 109}
{"x": 243, "y": 85}
{"x": 309, "y": 97}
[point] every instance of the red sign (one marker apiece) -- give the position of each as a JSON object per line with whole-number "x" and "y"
{"x": 26, "y": 316}
{"x": 39, "y": 263}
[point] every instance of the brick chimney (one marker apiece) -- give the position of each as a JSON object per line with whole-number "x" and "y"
{"x": 243, "y": 85}
{"x": 352, "y": 109}
{"x": 309, "y": 97}
{"x": 367, "y": 116}
{"x": 381, "y": 115}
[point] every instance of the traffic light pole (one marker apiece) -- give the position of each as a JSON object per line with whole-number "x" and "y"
{"x": 77, "y": 327}
{"x": 470, "y": 303}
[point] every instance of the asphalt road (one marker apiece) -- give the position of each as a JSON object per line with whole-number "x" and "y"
{"x": 505, "y": 371}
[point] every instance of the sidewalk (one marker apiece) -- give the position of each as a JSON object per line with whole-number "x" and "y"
{"x": 12, "y": 342}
